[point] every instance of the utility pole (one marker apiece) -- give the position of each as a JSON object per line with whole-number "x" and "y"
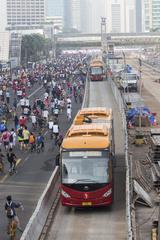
{"x": 140, "y": 89}
{"x": 125, "y": 72}
{"x": 103, "y": 34}
{"x": 140, "y": 76}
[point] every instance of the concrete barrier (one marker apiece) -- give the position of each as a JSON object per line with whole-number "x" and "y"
{"x": 120, "y": 103}
{"x": 39, "y": 216}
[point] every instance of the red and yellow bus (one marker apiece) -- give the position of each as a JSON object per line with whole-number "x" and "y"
{"x": 96, "y": 69}
{"x": 87, "y": 154}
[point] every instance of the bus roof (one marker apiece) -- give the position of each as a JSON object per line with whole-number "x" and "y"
{"x": 87, "y": 136}
{"x": 97, "y": 115}
{"x": 96, "y": 63}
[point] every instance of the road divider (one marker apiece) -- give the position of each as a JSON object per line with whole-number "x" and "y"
{"x": 37, "y": 221}
{"x": 120, "y": 104}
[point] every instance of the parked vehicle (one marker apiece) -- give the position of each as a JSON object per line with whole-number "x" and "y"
{"x": 129, "y": 82}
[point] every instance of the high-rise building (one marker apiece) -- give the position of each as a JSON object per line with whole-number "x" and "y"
{"x": 120, "y": 16}
{"x": 54, "y": 7}
{"x": 3, "y": 15}
{"x": 155, "y": 15}
{"x": 97, "y": 10}
{"x": 4, "y": 35}
{"x": 72, "y": 19}
{"x": 130, "y": 12}
{"x": 138, "y": 16}
{"x": 150, "y": 15}
{"x": 67, "y": 14}
{"x": 146, "y": 15}
{"x": 25, "y": 14}
{"x": 76, "y": 14}
{"x": 85, "y": 6}
{"x": 116, "y": 16}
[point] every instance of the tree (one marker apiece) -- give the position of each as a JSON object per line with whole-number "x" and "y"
{"x": 33, "y": 47}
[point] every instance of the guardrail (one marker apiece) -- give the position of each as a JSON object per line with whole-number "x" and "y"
{"x": 120, "y": 103}
{"x": 39, "y": 216}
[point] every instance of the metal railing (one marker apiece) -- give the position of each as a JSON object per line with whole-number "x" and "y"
{"x": 120, "y": 103}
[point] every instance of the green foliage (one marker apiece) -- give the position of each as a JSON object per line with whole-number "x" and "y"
{"x": 34, "y": 47}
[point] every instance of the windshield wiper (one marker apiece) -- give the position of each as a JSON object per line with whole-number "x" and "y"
{"x": 86, "y": 180}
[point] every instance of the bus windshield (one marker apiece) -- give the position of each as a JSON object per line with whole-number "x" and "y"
{"x": 85, "y": 167}
{"x": 96, "y": 70}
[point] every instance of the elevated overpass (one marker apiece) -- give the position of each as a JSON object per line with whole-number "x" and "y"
{"x": 78, "y": 40}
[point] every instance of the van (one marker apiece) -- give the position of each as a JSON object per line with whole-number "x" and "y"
{"x": 129, "y": 82}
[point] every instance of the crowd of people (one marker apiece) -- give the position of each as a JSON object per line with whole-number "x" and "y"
{"x": 61, "y": 82}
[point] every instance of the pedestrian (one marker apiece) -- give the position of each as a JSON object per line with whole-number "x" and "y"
{"x": 16, "y": 122}
{"x": 22, "y": 121}
{"x": 15, "y": 103}
{"x": 1, "y": 161}
{"x": 22, "y": 103}
{"x": 7, "y": 97}
{"x": 56, "y": 112}
{"x": 26, "y": 135}
{"x": 40, "y": 142}
{"x": 11, "y": 157}
{"x": 33, "y": 120}
{"x": 20, "y": 137}
{"x": 69, "y": 113}
{"x": 59, "y": 140}
{"x": 55, "y": 130}
{"x": 45, "y": 114}
{"x": 27, "y": 103}
{"x": 12, "y": 138}
{"x": 32, "y": 141}
{"x": 10, "y": 208}
{"x": 5, "y": 139}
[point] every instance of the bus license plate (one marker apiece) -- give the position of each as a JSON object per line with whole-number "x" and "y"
{"x": 86, "y": 204}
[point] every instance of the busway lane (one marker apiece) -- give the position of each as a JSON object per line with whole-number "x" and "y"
{"x": 98, "y": 223}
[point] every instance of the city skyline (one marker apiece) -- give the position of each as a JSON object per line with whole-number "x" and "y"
{"x": 27, "y": 14}
{"x": 83, "y": 15}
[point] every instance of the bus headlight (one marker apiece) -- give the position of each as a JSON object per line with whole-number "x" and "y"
{"x": 64, "y": 194}
{"x": 109, "y": 192}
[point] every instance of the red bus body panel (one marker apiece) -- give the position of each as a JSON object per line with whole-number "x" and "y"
{"x": 83, "y": 199}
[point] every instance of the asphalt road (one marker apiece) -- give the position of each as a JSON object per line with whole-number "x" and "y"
{"x": 33, "y": 174}
{"x": 98, "y": 223}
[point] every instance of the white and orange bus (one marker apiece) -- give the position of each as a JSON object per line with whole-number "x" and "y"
{"x": 87, "y": 155}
